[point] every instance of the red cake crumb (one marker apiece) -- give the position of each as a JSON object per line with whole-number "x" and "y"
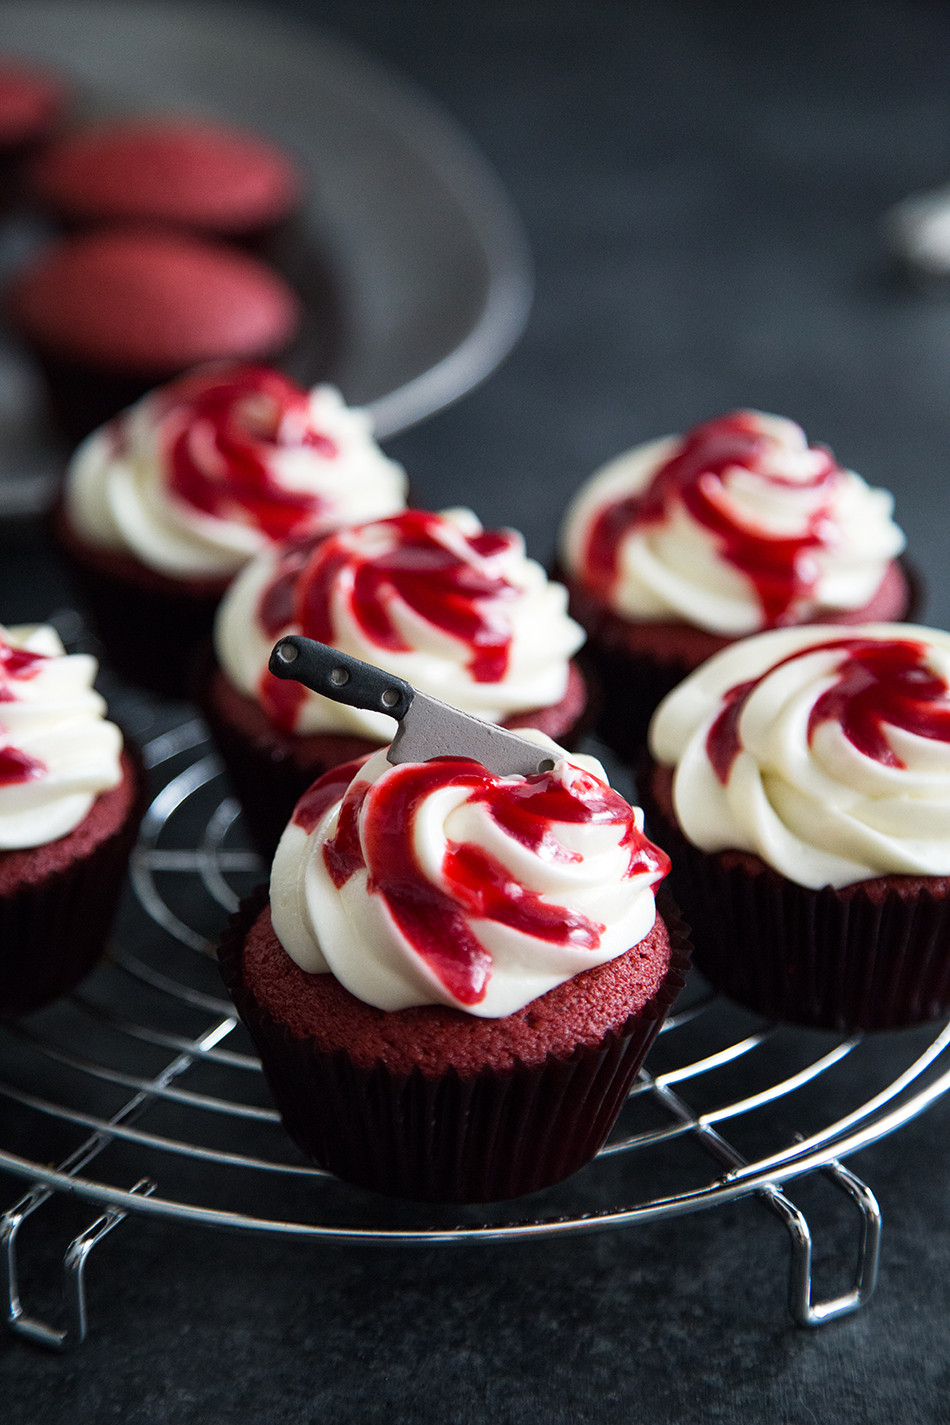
{"x": 435, "y": 1038}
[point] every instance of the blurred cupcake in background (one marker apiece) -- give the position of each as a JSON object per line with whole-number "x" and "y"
{"x": 32, "y": 103}
{"x": 114, "y": 312}
{"x": 177, "y": 172}
{"x": 166, "y": 503}
{"x": 681, "y": 545}
{"x": 459, "y": 611}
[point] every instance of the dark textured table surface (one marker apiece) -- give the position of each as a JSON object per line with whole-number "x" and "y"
{"x": 702, "y": 187}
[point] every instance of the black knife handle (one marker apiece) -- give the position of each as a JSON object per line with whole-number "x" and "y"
{"x": 338, "y": 676}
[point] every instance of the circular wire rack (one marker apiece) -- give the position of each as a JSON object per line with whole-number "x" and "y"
{"x": 144, "y": 1092}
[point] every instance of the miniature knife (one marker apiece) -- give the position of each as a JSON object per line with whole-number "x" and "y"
{"x": 427, "y": 727}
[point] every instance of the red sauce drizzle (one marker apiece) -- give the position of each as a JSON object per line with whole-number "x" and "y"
{"x": 444, "y": 577}
{"x": 376, "y": 831}
{"x": 877, "y": 683}
{"x": 782, "y": 569}
{"x": 220, "y": 432}
{"x": 17, "y": 665}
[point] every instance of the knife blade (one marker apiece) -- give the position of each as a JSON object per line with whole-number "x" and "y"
{"x": 427, "y": 727}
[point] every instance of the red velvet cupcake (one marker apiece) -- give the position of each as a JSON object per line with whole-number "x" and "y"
{"x": 457, "y": 610}
{"x": 458, "y": 975}
{"x": 190, "y": 174}
{"x": 111, "y": 314}
{"x": 164, "y": 505}
{"x": 32, "y": 102}
{"x": 679, "y": 547}
{"x": 801, "y": 781}
{"x": 70, "y": 802}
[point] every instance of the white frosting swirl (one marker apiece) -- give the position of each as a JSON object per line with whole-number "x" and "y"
{"x": 455, "y": 571}
{"x": 379, "y": 890}
{"x": 200, "y": 475}
{"x": 824, "y": 750}
{"x": 696, "y": 557}
{"x": 57, "y": 751}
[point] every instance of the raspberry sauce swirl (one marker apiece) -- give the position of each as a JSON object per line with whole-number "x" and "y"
{"x": 825, "y": 750}
{"x": 457, "y": 610}
{"x": 478, "y": 887}
{"x": 17, "y": 665}
{"x": 220, "y": 432}
{"x": 736, "y": 526}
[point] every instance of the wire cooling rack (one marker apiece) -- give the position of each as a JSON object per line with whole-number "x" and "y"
{"x": 141, "y": 1095}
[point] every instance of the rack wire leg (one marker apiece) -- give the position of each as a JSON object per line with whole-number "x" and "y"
{"x": 74, "y": 1264}
{"x": 804, "y": 1311}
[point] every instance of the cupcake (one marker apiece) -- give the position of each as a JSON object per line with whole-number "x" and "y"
{"x": 113, "y": 313}
{"x": 801, "y": 783}
{"x": 191, "y": 174}
{"x": 682, "y": 545}
{"x": 458, "y": 975}
{"x": 31, "y": 104}
{"x": 70, "y": 801}
{"x": 457, "y": 610}
{"x": 164, "y": 504}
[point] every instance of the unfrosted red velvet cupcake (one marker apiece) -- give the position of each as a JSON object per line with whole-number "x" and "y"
{"x": 32, "y": 102}
{"x": 458, "y": 975}
{"x": 166, "y": 503}
{"x": 801, "y": 783}
{"x": 678, "y": 547}
{"x": 457, "y": 610}
{"x": 185, "y": 173}
{"x": 111, "y": 314}
{"x": 70, "y": 802}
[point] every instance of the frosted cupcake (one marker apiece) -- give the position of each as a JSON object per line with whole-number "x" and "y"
{"x": 678, "y": 547}
{"x": 70, "y": 800}
{"x": 802, "y": 787}
{"x": 166, "y": 503}
{"x": 458, "y": 974}
{"x": 457, "y": 610}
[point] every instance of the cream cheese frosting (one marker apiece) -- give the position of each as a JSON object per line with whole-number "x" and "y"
{"x": 458, "y": 611}
{"x": 824, "y": 750}
{"x": 441, "y": 883}
{"x": 200, "y": 475}
{"x": 57, "y": 751}
{"x": 737, "y": 526}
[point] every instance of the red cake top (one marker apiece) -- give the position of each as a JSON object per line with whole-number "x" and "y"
{"x": 152, "y": 301}
{"x": 30, "y": 101}
{"x": 184, "y": 172}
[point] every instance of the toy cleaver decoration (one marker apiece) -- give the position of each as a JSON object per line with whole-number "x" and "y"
{"x": 427, "y": 727}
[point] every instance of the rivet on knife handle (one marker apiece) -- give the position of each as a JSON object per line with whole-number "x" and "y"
{"x": 340, "y": 677}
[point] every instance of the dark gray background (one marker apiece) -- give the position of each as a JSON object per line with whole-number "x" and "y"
{"x": 702, "y": 186}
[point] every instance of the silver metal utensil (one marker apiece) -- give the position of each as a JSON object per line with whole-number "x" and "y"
{"x": 427, "y": 727}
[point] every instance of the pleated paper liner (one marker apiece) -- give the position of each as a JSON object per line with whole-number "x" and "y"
{"x": 53, "y": 930}
{"x": 873, "y": 955}
{"x": 479, "y": 1137}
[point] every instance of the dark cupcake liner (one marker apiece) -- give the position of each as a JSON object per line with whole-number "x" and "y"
{"x": 53, "y": 931}
{"x": 151, "y": 631}
{"x": 873, "y": 955}
{"x": 480, "y": 1138}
